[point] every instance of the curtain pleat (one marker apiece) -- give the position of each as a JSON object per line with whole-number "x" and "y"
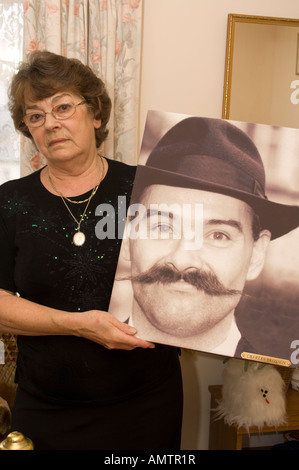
{"x": 11, "y": 38}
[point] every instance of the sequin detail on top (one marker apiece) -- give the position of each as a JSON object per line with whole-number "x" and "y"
{"x": 49, "y": 268}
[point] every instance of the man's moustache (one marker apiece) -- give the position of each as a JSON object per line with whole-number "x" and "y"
{"x": 202, "y": 280}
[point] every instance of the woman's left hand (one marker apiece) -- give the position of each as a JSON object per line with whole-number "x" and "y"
{"x": 103, "y": 328}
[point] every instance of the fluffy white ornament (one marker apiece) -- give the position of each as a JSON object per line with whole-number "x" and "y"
{"x": 253, "y": 394}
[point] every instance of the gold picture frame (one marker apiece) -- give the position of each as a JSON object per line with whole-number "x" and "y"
{"x": 253, "y": 48}
{"x": 297, "y": 65}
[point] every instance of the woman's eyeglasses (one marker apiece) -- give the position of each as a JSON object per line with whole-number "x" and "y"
{"x": 61, "y": 111}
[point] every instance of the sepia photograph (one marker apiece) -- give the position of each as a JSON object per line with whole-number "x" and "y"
{"x": 209, "y": 258}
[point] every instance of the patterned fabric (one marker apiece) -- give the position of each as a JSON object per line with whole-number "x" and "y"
{"x": 32, "y": 218}
{"x": 106, "y": 35}
{"x": 11, "y": 39}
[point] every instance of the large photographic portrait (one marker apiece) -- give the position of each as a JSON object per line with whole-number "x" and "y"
{"x": 209, "y": 258}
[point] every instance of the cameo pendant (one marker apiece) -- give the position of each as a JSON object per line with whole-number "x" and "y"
{"x": 79, "y": 239}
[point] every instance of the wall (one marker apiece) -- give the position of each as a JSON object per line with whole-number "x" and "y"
{"x": 183, "y": 58}
{"x": 264, "y": 67}
{"x": 250, "y": 58}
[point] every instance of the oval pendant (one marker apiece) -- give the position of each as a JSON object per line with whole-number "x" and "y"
{"x": 79, "y": 239}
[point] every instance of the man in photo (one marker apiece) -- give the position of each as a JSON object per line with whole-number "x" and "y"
{"x": 200, "y": 226}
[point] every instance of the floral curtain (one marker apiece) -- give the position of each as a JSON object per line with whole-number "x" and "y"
{"x": 106, "y": 35}
{"x": 11, "y": 38}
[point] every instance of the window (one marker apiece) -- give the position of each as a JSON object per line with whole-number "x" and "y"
{"x": 11, "y": 46}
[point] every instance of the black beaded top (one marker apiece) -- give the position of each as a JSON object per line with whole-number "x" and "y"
{"x": 40, "y": 261}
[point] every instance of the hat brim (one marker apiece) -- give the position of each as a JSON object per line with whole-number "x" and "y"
{"x": 278, "y": 218}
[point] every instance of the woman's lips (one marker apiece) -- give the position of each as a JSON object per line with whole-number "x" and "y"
{"x": 57, "y": 142}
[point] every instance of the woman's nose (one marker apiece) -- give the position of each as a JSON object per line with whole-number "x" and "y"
{"x": 50, "y": 121}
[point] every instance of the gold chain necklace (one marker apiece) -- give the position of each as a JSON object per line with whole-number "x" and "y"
{"x": 79, "y": 237}
{"x": 93, "y": 191}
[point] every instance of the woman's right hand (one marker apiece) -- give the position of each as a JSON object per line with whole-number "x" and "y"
{"x": 105, "y": 329}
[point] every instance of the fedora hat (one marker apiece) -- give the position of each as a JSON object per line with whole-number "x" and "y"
{"x": 214, "y": 155}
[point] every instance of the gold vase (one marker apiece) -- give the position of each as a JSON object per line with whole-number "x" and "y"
{"x": 16, "y": 441}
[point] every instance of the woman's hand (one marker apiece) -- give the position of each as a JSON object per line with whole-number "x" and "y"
{"x": 103, "y": 328}
{"x": 23, "y": 317}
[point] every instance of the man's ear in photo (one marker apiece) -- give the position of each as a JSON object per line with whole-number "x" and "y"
{"x": 258, "y": 255}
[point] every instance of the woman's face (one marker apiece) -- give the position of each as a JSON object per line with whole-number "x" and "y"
{"x": 58, "y": 139}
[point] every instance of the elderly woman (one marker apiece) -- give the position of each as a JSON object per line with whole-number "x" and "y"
{"x": 85, "y": 381}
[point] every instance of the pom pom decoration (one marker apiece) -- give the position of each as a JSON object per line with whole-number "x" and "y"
{"x": 253, "y": 394}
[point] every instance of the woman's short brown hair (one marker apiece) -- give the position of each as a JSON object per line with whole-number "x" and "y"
{"x": 46, "y": 73}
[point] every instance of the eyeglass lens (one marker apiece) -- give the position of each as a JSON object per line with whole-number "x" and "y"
{"x": 63, "y": 110}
